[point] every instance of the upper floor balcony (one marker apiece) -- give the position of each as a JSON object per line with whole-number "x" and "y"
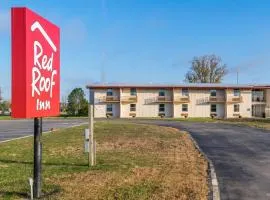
{"x": 234, "y": 99}
{"x": 258, "y": 99}
{"x": 163, "y": 99}
{"x": 258, "y": 96}
{"x": 181, "y": 99}
{"x": 159, "y": 99}
{"x": 129, "y": 99}
{"x": 109, "y": 99}
{"x": 216, "y": 99}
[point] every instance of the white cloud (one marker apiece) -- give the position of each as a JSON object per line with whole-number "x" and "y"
{"x": 4, "y": 21}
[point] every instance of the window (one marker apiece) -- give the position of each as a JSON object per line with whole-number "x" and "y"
{"x": 109, "y": 92}
{"x": 109, "y": 108}
{"x": 161, "y": 108}
{"x": 236, "y": 108}
{"x": 132, "y": 107}
{"x": 236, "y": 92}
{"x": 184, "y": 107}
{"x": 133, "y": 92}
{"x": 213, "y": 108}
{"x": 213, "y": 93}
{"x": 258, "y": 96}
{"x": 161, "y": 93}
{"x": 185, "y": 92}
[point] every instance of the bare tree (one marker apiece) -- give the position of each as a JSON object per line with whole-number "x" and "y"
{"x": 63, "y": 104}
{"x": 206, "y": 69}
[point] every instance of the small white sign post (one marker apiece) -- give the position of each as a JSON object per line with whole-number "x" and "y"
{"x": 31, "y": 182}
{"x": 86, "y": 141}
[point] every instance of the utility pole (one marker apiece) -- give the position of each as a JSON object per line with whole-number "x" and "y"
{"x": 237, "y": 76}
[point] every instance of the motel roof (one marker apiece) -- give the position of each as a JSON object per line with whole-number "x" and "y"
{"x": 170, "y": 86}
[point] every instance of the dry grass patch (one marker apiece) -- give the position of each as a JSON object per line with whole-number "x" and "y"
{"x": 154, "y": 163}
{"x": 133, "y": 162}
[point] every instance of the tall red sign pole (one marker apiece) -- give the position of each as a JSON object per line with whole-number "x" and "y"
{"x": 35, "y": 75}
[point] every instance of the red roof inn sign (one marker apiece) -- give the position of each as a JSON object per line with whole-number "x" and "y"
{"x": 35, "y": 65}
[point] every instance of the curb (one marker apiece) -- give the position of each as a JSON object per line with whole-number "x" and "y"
{"x": 214, "y": 182}
{"x": 46, "y": 132}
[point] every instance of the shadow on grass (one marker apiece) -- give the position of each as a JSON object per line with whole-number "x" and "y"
{"x": 12, "y": 194}
{"x": 43, "y": 163}
{"x": 45, "y": 194}
{"x": 56, "y": 189}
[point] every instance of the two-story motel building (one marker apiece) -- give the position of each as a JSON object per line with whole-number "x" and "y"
{"x": 187, "y": 100}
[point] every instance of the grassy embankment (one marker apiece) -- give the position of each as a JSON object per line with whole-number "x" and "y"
{"x": 133, "y": 162}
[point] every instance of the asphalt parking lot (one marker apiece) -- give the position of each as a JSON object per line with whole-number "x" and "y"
{"x": 240, "y": 154}
{"x": 10, "y": 129}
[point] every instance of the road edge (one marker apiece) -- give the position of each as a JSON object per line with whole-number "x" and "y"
{"x": 214, "y": 187}
{"x": 214, "y": 182}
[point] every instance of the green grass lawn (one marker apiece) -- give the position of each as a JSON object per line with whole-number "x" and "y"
{"x": 190, "y": 119}
{"x": 4, "y": 117}
{"x": 253, "y": 122}
{"x": 133, "y": 162}
{"x": 256, "y": 122}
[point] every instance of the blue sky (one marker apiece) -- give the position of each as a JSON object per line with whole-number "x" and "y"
{"x": 142, "y": 41}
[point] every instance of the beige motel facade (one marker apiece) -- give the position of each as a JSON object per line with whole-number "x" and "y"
{"x": 180, "y": 101}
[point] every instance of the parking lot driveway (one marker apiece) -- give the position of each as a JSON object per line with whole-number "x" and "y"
{"x": 240, "y": 154}
{"x": 11, "y": 129}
